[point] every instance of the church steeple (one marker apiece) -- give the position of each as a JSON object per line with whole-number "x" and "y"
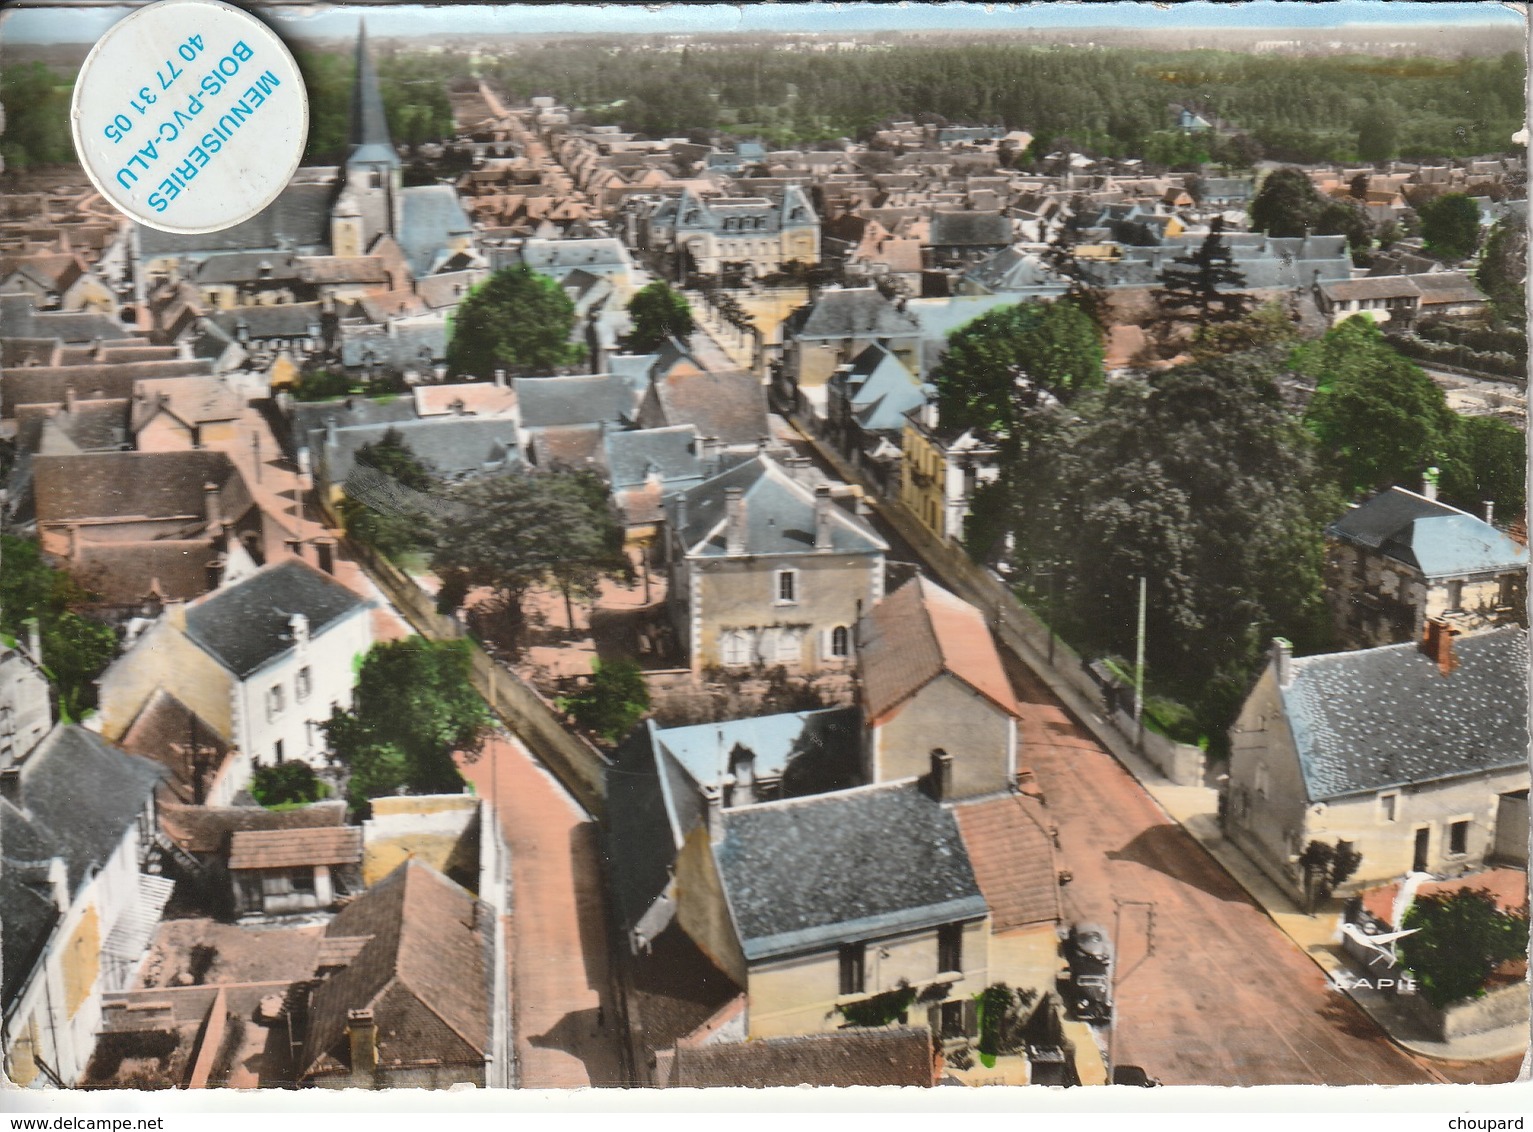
{"x": 370, "y": 142}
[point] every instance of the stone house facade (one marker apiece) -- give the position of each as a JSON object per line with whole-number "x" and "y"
{"x": 1402, "y": 559}
{"x": 764, "y": 571}
{"x": 1414, "y": 755}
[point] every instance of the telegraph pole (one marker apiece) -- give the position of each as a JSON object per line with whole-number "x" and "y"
{"x": 1139, "y": 671}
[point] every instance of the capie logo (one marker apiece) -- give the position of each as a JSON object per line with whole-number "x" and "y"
{"x": 1400, "y": 983}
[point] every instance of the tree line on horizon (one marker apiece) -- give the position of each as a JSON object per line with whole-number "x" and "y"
{"x": 1110, "y": 102}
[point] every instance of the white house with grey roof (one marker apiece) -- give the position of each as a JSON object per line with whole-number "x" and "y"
{"x": 1416, "y": 755}
{"x": 766, "y": 571}
{"x": 1400, "y": 559}
{"x": 263, "y": 661}
{"x": 78, "y": 907}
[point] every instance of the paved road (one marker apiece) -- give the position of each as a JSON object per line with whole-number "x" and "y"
{"x": 566, "y": 1029}
{"x": 1218, "y": 996}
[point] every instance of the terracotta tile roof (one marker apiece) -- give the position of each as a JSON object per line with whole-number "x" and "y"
{"x": 165, "y": 730}
{"x": 207, "y": 830}
{"x": 1013, "y": 859}
{"x": 287, "y": 848}
{"x": 851, "y": 1057}
{"x": 129, "y": 572}
{"x": 425, "y": 972}
{"x": 915, "y": 634}
{"x": 1508, "y": 886}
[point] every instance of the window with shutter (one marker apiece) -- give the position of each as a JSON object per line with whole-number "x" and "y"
{"x": 853, "y": 968}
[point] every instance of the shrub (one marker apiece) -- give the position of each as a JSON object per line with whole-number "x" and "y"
{"x": 286, "y": 784}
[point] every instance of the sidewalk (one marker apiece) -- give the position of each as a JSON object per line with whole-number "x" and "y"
{"x": 1195, "y": 809}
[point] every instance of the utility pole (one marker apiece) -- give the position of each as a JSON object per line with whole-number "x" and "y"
{"x": 1139, "y": 672}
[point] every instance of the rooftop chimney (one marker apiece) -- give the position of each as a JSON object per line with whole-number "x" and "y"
{"x": 1282, "y": 661}
{"x": 500, "y": 379}
{"x": 1438, "y": 645}
{"x": 69, "y": 399}
{"x": 822, "y": 517}
{"x": 713, "y": 798}
{"x": 210, "y": 504}
{"x": 734, "y": 521}
{"x": 939, "y": 783}
{"x": 363, "y": 1032}
{"x": 1429, "y": 483}
{"x": 1490, "y": 511}
{"x": 298, "y": 629}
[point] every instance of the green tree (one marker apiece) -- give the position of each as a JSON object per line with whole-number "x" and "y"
{"x": 1286, "y": 204}
{"x": 1379, "y": 418}
{"x": 515, "y": 320}
{"x": 1459, "y": 939}
{"x": 1345, "y": 218}
{"x": 286, "y": 784}
{"x": 413, "y": 709}
{"x": 1450, "y": 226}
{"x": 1378, "y": 133}
{"x": 1503, "y": 270}
{"x": 75, "y": 648}
{"x": 659, "y": 313}
{"x": 1200, "y": 480}
{"x": 1486, "y": 461}
{"x": 1202, "y": 288}
{"x": 387, "y": 497}
{"x": 997, "y": 367}
{"x": 615, "y": 699}
{"x": 511, "y": 533}
{"x": 37, "y": 117}
{"x": 1269, "y": 325}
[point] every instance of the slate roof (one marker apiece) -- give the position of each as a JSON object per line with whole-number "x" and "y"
{"x": 919, "y": 632}
{"x": 244, "y": 626}
{"x": 640, "y": 844}
{"x": 91, "y": 426}
{"x": 579, "y": 399}
{"x": 20, "y": 318}
{"x": 892, "y": 1057}
{"x": 425, "y": 971}
{"x": 708, "y": 751}
{"x": 401, "y": 344}
{"x": 779, "y": 514}
{"x": 1013, "y": 859}
{"x": 853, "y": 312}
{"x": 430, "y": 215}
{"x": 310, "y": 417}
{"x": 970, "y": 229}
{"x": 1438, "y": 540}
{"x": 59, "y": 818}
{"x": 728, "y": 405}
{"x": 1370, "y": 287}
{"x": 1013, "y": 270}
{"x": 271, "y": 320}
{"x": 449, "y": 445}
{"x": 881, "y": 390}
{"x": 1386, "y": 717}
{"x": 48, "y": 385}
{"x": 369, "y": 136}
{"x": 292, "y": 848}
{"x": 672, "y": 453}
{"x": 248, "y": 267}
{"x": 810, "y": 873}
{"x": 299, "y": 219}
{"x": 154, "y": 485}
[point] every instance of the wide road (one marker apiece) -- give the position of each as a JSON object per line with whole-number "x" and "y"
{"x": 1209, "y": 991}
{"x": 566, "y": 1031}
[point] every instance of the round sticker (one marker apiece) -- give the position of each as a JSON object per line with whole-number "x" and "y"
{"x": 190, "y": 115}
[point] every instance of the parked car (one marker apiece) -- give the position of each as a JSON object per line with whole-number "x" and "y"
{"x": 1133, "y": 1075}
{"x": 1089, "y": 955}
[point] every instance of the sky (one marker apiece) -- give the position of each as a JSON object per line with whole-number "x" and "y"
{"x": 43, "y": 22}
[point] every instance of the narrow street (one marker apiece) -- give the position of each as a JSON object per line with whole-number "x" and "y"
{"x": 566, "y": 1031}
{"x": 1209, "y": 991}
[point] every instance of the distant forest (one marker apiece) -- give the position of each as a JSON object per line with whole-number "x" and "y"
{"x": 1111, "y": 102}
